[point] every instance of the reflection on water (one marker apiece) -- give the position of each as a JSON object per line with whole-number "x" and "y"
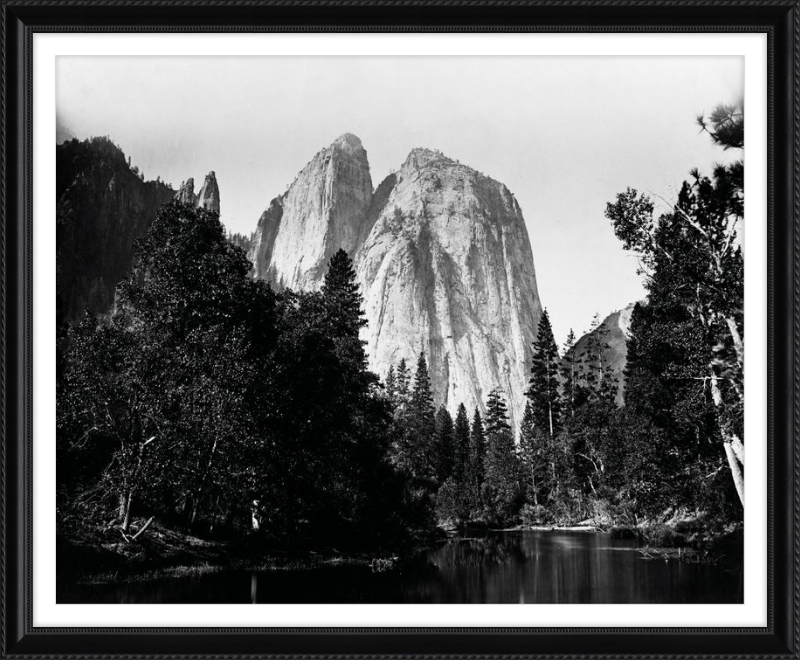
{"x": 501, "y": 567}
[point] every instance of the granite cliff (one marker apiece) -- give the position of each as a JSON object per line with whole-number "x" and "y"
{"x": 612, "y": 333}
{"x": 322, "y": 211}
{"x": 442, "y": 256}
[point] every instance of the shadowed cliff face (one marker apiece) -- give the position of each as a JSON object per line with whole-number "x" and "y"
{"x": 442, "y": 256}
{"x": 321, "y": 212}
{"x": 102, "y": 207}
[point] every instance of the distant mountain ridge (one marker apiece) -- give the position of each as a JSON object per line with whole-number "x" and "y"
{"x": 103, "y": 205}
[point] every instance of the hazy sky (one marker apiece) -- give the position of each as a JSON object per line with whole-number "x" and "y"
{"x": 564, "y": 134}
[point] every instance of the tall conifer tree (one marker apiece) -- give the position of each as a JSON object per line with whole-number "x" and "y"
{"x": 501, "y": 474}
{"x": 477, "y": 455}
{"x": 569, "y": 372}
{"x": 543, "y": 385}
{"x": 461, "y": 432}
{"x": 445, "y": 445}
{"x": 423, "y": 423}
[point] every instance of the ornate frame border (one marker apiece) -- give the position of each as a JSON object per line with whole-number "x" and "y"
{"x": 19, "y": 19}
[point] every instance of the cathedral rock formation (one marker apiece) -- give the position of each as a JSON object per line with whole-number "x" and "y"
{"x": 208, "y": 197}
{"x": 442, "y": 256}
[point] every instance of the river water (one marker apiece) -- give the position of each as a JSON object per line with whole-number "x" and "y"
{"x": 498, "y": 567}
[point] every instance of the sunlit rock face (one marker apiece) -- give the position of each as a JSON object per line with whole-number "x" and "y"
{"x": 447, "y": 268}
{"x": 442, "y": 256}
{"x": 321, "y": 212}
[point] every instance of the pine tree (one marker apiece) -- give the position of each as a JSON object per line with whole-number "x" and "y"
{"x": 391, "y": 387}
{"x": 500, "y": 488}
{"x": 422, "y": 423}
{"x": 569, "y": 371}
{"x": 445, "y": 445}
{"x": 477, "y": 456}
{"x": 402, "y": 381}
{"x": 422, "y": 397}
{"x": 341, "y": 288}
{"x": 531, "y": 453}
{"x": 343, "y": 313}
{"x": 543, "y": 384}
{"x": 461, "y": 432}
{"x": 496, "y": 413}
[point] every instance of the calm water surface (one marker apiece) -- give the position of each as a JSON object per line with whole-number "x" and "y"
{"x": 501, "y": 567}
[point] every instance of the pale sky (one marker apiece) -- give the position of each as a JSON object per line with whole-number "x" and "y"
{"x": 564, "y": 134}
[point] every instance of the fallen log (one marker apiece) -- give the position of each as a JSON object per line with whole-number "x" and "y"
{"x": 144, "y": 527}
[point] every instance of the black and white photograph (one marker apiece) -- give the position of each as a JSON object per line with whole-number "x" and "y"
{"x": 399, "y": 330}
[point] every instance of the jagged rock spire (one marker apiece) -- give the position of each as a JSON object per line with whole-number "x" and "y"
{"x": 208, "y": 197}
{"x": 209, "y": 193}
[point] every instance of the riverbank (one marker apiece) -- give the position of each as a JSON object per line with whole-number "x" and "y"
{"x": 678, "y": 536}
{"x": 99, "y": 556}
{"x": 486, "y": 567}
{"x": 103, "y": 556}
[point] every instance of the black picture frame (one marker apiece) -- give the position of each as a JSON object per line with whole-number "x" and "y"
{"x": 779, "y": 19}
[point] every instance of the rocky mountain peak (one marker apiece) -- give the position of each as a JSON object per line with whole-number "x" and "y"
{"x": 322, "y": 211}
{"x": 349, "y": 142}
{"x": 209, "y": 193}
{"x": 442, "y": 258}
{"x": 185, "y": 193}
{"x": 420, "y": 158}
{"x": 208, "y": 198}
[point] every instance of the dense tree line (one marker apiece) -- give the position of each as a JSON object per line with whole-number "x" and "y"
{"x": 677, "y": 442}
{"x": 206, "y": 398}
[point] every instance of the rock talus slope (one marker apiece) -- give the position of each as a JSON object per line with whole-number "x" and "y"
{"x": 442, "y": 256}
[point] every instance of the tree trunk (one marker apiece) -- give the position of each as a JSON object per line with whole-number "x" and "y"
{"x": 738, "y": 344}
{"x": 198, "y": 495}
{"x": 126, "y": 522}
{"x": 734, "y": 448}
{"x": 736, "y": 471}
